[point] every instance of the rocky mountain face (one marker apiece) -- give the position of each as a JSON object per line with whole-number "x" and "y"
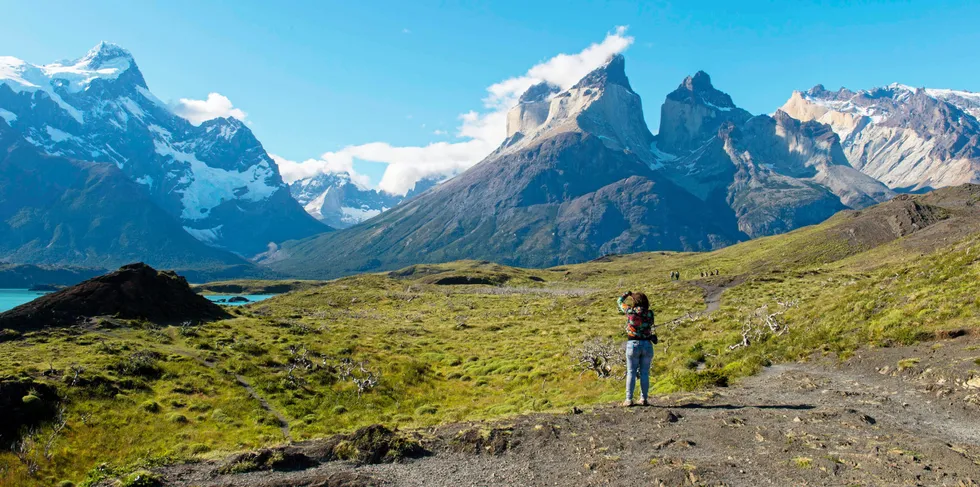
{"x": 774, "y": 172}
{"x": 580, "y": 175}
{"x": 215, "y": 178}
{"x": 911, "y": 139}
{"x": 340, "y": 203}
{"x": 693, "y": 113}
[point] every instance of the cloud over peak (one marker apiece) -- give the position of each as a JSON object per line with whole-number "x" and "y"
{"x": 200, "y": 111}
{"x": 481, "y": 132}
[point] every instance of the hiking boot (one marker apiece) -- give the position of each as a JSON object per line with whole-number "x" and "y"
{"x": 644, "y": 402}
{"x": 627, "y": 403}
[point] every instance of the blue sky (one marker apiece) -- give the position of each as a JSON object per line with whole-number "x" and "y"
{"x": 318, "y": 76}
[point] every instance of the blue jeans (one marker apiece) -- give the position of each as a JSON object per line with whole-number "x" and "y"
{"x": 639, "y": 354}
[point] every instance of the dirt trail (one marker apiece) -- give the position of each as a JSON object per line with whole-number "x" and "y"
{"x": 713, "y": 291}
{"x": 283, "y": 422}
{"x": 863, "y": 422}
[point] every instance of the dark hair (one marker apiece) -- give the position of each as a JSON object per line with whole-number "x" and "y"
{"x": 640, "y": 301}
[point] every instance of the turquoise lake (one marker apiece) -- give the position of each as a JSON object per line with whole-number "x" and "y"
{"x": 10, "y": 298}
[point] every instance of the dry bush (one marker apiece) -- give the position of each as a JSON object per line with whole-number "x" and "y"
{"x": 763, "y": 322}
{"x": 599, "y": 355}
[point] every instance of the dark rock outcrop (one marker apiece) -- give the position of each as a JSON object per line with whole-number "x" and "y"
{"x": 134, "y": 292}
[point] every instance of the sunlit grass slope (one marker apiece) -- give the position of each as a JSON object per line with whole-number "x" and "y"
{"x": 497, "y": 345}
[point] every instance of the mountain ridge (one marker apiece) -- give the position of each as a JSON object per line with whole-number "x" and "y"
{"x": 911, "y": 139}
{"x": 581, "y": 175}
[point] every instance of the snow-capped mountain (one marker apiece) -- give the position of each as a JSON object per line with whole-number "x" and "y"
{"x": 338, "y": 202}
{"x": 60, "y": 211}
{"x": 335, "y": 200}
{"x": 215, "y": 178}
{"x": 911, "y": 139}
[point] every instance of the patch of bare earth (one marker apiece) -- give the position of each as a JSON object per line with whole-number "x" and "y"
{"x": 891, "y": 416}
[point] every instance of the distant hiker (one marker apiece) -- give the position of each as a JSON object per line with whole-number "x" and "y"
{"x": 640, "y": 337}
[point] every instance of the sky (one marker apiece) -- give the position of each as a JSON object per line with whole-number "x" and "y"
{"x": 394, "y": 91}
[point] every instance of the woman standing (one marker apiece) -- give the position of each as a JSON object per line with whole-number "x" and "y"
{"x": 640, "y": 337}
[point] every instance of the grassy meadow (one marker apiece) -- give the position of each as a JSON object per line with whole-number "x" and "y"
{"x": 140, "y": 395}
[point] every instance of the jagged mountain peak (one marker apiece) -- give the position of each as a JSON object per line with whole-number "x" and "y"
{"x": 613, "y": 71}
{"x": 601, "y": 104}
{"x": 105, "y": 64}
{"x": 693, "y": 113}
{"x": 697, "y": 89}
{"x": 700, "y": 81}
{"x": 104, "y": 53}
{"x": 539, "y": 92}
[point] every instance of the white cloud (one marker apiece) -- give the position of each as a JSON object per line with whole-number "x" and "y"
{"x": 199, "y": 111}
{"x": 482, "y": 131}
{"x": 438, "y": 132}
{"x": 336, "y": 164}
{"x": 406, "y": 31}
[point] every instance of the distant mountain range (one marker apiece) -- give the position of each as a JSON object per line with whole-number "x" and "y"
{"x": 338, "y": 202}
{"x": 95, "y": 171}
{"x": 580, "y": 175}
{"x": 213, "y": 182}
{"x": 912, "y": 139}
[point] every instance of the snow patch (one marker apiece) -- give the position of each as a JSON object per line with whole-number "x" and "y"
{"x": 315, "y": 207}
{"x": 661, "y": 155}
{"x": 57, "y": 135}
{"x": 145, "y": 180}
{"x": 208, "y": 187}
{"x": 160, "y": 131}
{"x": 153, "y": 99}
{"x": 716, "y": 107}
{"x": 9, "y": 116}
{"x": 20, "y": 76}
{"x": 206, "y": 235}
{"x": 358, "y": 215}
{"x": 132, "y": 107}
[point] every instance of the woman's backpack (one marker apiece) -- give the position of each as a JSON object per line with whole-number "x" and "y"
{"x": 639, "y": 325}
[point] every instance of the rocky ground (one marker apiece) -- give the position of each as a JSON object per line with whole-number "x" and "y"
{"x": 888, "y": 416}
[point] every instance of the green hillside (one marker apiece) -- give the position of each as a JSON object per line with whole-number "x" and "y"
{"x": 471, "y": 340}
